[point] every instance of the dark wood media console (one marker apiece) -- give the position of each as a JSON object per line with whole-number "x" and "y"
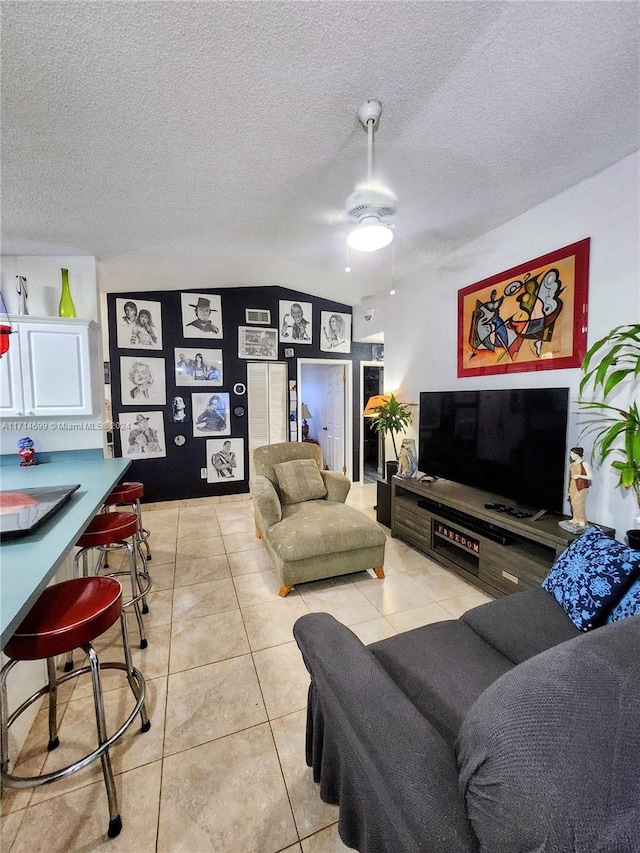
{"x": 496, "y": 551}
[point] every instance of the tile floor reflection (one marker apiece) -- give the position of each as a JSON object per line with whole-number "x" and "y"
{"x": 222, "y": 769}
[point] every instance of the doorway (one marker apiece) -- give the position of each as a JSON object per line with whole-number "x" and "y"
{"x": 324, "y": 386}
{"x": 371, "y": 442}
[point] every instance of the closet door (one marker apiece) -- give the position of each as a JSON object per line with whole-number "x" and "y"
{"x": 267, "y": 404}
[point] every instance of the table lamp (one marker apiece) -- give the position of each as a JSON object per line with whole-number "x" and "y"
{"x": 305, "y": 413}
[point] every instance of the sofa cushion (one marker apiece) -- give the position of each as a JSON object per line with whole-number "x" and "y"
{"x": 299, "y": 480}
{"x": 442, "y": 668}
{"x": 521, "y": 625}
{"x": 590, "y": 576}
{"x": 629, "y": 604}
{"x": 322, "y": 527}
{"x": 549, "y": 755}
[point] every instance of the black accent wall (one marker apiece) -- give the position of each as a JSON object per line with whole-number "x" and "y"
{"x": 178, "y": 475}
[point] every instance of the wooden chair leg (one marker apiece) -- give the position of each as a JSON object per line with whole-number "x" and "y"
{"x": 285, "y": 589}
{"x": 379, "y": 571}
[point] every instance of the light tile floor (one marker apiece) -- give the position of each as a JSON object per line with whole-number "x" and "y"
{"x": 222, "y": 769}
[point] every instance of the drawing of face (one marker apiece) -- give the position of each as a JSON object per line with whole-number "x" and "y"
{"x": 144, "y": 318}
{"x": 213, "y": 403}
{"x": 226, "y": 446}
{"x": 203, "y": 313}
{"x": 130, "y": 310}
{"x": 333, "y": 323}
{"x": 140, "y": 374}
{"x": 296, "y": 313}
{"x": 199, "y": 360}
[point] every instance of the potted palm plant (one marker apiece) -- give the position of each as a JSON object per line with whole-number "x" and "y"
{"x": 391, "y": 416}
{"x": 611, "y": 361}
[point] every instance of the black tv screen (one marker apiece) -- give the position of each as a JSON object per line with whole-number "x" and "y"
{"x": 508, "y": 442}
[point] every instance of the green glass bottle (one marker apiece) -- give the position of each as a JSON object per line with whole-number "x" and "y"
{"x": 66, "y": 308}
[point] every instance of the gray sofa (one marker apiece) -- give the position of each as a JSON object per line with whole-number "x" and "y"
{"x": 505, "y": 731}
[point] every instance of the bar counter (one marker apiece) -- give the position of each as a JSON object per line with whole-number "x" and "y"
{"x": 28, "y": 564}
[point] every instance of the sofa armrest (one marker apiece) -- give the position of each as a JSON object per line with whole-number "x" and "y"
{"x": 393, "y": 776}
{"x": 337, "y": 486}
{"x": 265, "y": 501}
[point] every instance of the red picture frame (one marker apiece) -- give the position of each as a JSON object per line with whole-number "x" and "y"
{"x": 529, "y": 317}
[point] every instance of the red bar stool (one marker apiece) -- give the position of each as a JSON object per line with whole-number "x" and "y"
{"x": 129, "y": 494}
{"x": 109, "y": 532}
{"x": 67, "y": 616}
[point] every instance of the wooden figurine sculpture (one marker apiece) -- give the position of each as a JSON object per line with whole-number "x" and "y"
{"x": 579, "y": 482}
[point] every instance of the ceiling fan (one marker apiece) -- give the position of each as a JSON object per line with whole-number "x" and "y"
{"x": 371, "y": 207}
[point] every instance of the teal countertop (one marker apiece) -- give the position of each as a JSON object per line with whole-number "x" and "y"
{"x": 28, "y": 564}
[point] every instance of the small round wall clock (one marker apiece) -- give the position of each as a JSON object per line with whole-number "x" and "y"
{"x": 239, "y": 388}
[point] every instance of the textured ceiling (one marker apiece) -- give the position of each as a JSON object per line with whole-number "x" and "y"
{"x": 212, "y": 144}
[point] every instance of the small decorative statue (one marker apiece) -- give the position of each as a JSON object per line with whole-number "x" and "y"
{"x": 579, "y": 482}
{"x": 26, "y": 452}
{"x": 23, "y": 293}
{"x": 407, "y": 461}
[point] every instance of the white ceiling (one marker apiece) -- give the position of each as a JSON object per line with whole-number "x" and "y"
{"x": 213, "y": 144}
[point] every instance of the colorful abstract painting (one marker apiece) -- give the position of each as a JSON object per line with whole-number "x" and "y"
{"x": 531, "y": 317}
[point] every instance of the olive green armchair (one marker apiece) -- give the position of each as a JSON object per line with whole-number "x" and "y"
{"x": 301, "y": 515}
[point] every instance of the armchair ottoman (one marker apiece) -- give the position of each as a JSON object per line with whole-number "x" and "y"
{"x": 301, "y": 515}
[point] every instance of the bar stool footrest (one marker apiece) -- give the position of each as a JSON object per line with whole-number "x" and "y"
{"x": 22, "y": 782}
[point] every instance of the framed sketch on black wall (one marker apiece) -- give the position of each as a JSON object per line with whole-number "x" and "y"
{"x": 138, "y": 324}
{"x": 225, "y": 459}
{"x": 257, "y": 343}
{"x": 179, "y": 410}
{"x": 198, "y": 366}
{"x": 142, "y": 381}
{"x": 335, "y": 332}
{"x": 201, "y": 315}
{"x": 295, "y": 322}
{"x": 210, "y": 414}
{"x": 142, "y": 435}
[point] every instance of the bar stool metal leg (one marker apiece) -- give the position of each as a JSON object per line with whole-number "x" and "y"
{"x": 115, "y": 821}
{"x": 53, "y": 704}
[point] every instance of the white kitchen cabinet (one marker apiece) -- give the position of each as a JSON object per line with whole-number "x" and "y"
{"x": 52, "y": 369}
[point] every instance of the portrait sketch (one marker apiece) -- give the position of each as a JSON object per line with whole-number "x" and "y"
{"x": 142, "y": 381}
{"x": 257, "y": 343}
{"x": 225, "y": 459}
{"x": 335, "y": 332}
{"x": 142, "y": 435}
{"x": 210, "y": 413}
{"x": 295, "y": 322}
{"x": 201, "y": 315}
{"x": 198, "y": 366}
{"x": 179, "y": 410}
{"x": 138, "y": 324}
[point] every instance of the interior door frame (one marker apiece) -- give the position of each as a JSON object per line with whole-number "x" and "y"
{"x": 363, "y": 403}
{"x": 348, "y": 403}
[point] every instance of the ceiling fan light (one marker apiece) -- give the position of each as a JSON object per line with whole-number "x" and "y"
{"x": 370, "y": 235}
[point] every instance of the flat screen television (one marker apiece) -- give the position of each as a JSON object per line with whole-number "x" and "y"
{"x": 508, "y": 442}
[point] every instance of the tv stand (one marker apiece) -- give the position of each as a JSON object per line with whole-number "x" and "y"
{"x": 498, "y": 552}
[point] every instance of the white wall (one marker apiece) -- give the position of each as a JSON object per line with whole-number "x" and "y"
{"x": 43, "y": 286}
{"x": 420, "y": 321}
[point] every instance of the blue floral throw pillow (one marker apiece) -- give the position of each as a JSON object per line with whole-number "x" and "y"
{"x": 590, "y": 576}
{"x": 629, "y": 604}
